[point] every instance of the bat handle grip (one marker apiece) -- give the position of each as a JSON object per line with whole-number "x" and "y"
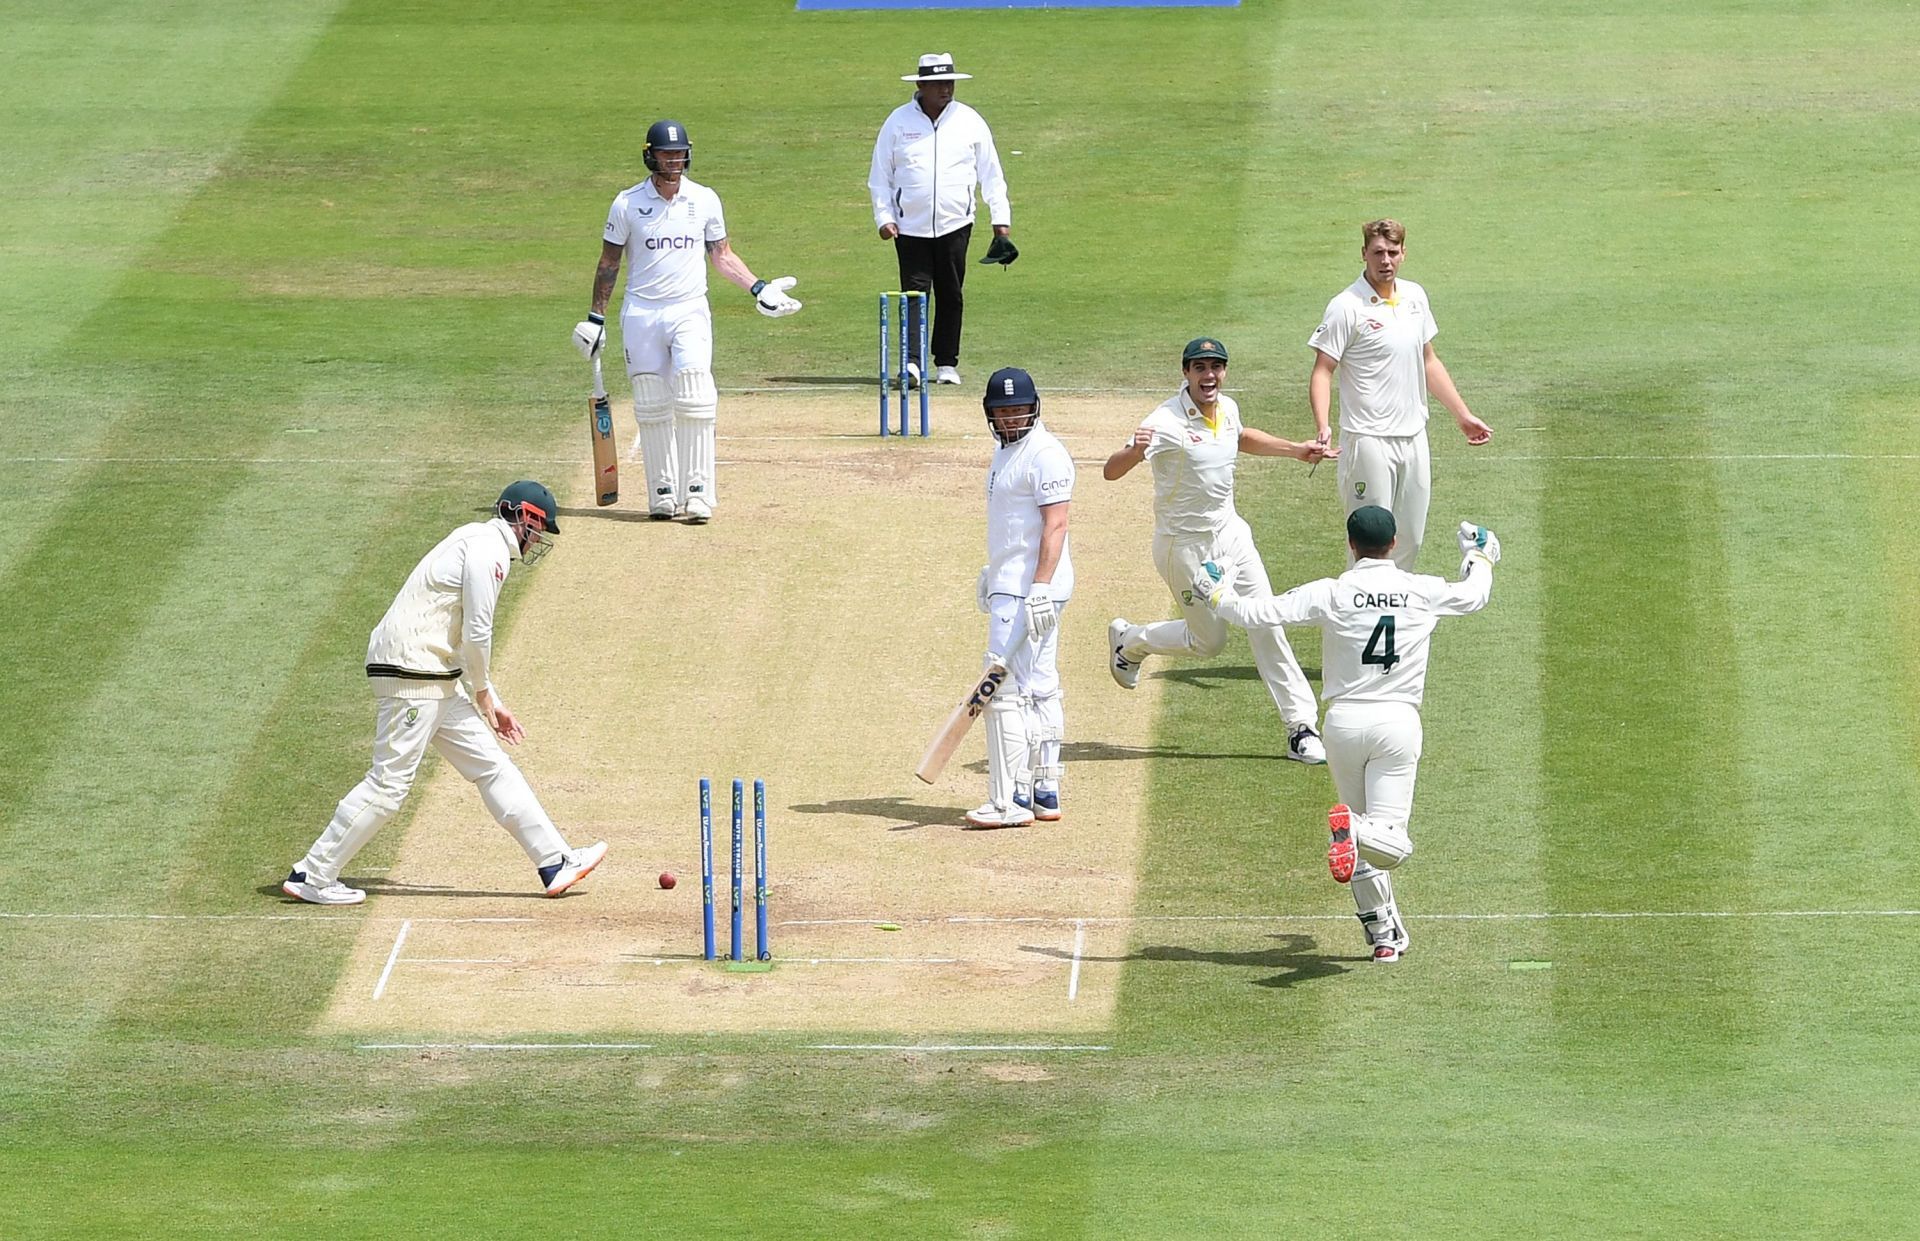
{"x": 599, "y": 384}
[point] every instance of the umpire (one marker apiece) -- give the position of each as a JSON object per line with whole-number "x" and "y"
{"x": 929, "y": 155}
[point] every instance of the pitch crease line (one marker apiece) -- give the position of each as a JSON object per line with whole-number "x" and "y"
{"x": 380, "y": 987}
{"x": 1079, "y": 946}
{"x": 1033, "y": 1047}
{"x": 503, "y": 1046}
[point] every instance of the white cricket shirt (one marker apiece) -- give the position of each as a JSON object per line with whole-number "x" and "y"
{"x": 1381, "y": 347}
{"x": 924, "y": 171}
{"x": 439, "y": 628}
{"x": 1377, "y": 619}
{"x": 666, "y": 241}
{"x": 1030, "y": 474}
{"x": 1193, "y": 462}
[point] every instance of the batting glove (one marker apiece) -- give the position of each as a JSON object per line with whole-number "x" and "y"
{"x": 1479, "y": 539}
{"x": 1042, "y": 615}
{"x": 590, "y": 336}
{"x": 980, "y": 591}
{"x": 770, "y": 297}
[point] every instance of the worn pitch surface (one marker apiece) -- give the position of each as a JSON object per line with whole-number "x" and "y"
{"x": 813, "y": 636}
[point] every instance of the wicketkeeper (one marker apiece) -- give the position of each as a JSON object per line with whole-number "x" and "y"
{"x": 1377, "y": 619}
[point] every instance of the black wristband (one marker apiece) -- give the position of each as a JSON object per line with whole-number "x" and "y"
{"x": 599, "y": 319}
{"x": 757, "y": 286}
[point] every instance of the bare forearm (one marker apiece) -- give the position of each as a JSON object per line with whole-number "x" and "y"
{"x": 1256, "y": 443}
{"x": 1320, "y": 400}
{"x": 604, "y": 276}
{"x": 1123, "y": 461}
{"x": 729, "y": 265}
{"x": 1440, "y": 385}
{"x": 1053, "y": 541}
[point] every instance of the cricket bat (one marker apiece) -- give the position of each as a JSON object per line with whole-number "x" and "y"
{"x": 606, "y": 461}
{"x": 947, "y": 740}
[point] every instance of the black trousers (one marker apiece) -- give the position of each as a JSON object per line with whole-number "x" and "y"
{"x": 939, "y": 264}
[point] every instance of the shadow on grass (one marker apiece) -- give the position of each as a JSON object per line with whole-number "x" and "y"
{"x": 1205, "y": 677}
{"x": 1293, "y": 955}
{"x": 1106, "y": 752}
{"x": 834, "y": 380}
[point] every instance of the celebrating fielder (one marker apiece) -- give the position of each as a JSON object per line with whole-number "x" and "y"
{"x": 1193, "y": 441}
{"x": 1377, "y": 619}
{"x": 1023, "y": 588}
{"x": 666, "y": 327}
{"x": 1378, "y": 334}
{"x": 427, "y": 661}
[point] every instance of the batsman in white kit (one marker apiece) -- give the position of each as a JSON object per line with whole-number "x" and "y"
{"x": 1377, "y": 619}
{"x": 1023, "y": 589}
{"x": 427, "y": 662}
{"x": 668, "y": 227}
{"x": 1193, "y": 441}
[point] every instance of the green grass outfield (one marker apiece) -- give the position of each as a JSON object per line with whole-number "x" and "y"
{"x": 286, "y": 285}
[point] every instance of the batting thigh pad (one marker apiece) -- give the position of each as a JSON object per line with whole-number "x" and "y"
{"x": 653, "y": 415}
{"x": 694, "y": 406}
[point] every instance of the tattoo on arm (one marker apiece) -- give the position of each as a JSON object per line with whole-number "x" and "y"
{"x": 603, "y": 277}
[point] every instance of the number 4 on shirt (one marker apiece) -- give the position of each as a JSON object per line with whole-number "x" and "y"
{"x": 1380, "y": 646}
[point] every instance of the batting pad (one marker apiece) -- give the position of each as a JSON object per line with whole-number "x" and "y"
{"x": 1006, "y": 749}
{"x": 653, "y": 416}
{"x": 694, "y": 410}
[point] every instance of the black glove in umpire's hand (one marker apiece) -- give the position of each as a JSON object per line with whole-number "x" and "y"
{"x": 1002, "y": 251}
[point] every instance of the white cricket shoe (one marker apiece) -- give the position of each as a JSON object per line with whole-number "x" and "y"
{"x": 947, "y": 375}
{"x": 1126, "y": 672}
{"x": 300, "y": 888}
{"x": 699, "y": 512}
{"x": 573, "y": 866}
{"x": 1303, "y": 745}
{"x": 991, "y": 815}
{"x": 911, "y": 379}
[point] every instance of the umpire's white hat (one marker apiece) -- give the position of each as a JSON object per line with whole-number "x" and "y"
{"x": 936, "y": 67}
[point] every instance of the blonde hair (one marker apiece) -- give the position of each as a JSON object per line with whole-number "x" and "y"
{"x": 1393, "y": 230}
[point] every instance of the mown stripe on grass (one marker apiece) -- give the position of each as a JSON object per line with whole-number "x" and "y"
{"x": 306, "y": 749}
{"x": 1642, "y": 736}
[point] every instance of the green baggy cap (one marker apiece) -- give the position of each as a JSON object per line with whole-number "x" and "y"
{"x": 1203, "y": 347}
{"x": 1370, "y": 526}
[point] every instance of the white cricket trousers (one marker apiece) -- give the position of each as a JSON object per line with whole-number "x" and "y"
{"x": 666, "y": 338}
{"x": 1199, "y": 634}
{"x": 1373, "y": 751}
{"x": 1396, "y": 473}
{"x": 403, "y": 729}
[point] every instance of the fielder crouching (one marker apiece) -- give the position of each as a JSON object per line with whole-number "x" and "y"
{"x": 1023, "y": 588}
{"x": 427, "y": 662}
{"x": 1377, "y": 619}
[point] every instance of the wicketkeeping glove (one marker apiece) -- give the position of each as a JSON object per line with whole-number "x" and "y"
{"x": 1209, "y": 585}
{"x": 1042, "y": 616}
{"x": 770, "y": 297}
{"x": 1479, "y": 539}
{"x": 1000, "y": 250}
{"x": 590, "y": 335}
